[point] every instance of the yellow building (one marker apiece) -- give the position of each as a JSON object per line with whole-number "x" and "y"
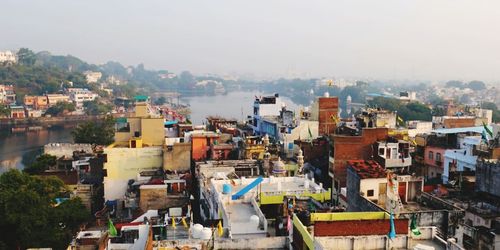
{"x": 138, "y": 147}
{"x": 141, "y": 130}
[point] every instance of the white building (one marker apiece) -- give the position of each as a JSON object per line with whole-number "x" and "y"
{"x": 80, "y": 95}
{"x": 419, "y": 127}
{"x": 461, "y": 159}
{"x": 269, "y": 106}
{"x": 487, "y": 114}
{"x": 7, "y": 56}
{"x": 92, "y": 76}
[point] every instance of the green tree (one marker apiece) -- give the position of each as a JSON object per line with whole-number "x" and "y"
{"x": 60, "y": 108}
{"x": 41, "y": 163}
{"x": 29, "y": 217}
{"x": 96, "y": 107}
{"x": 476, "y": 85}
{"x": 489, "y": 105}
{"x": 494, "y": 108}
{"x": 100, "y": 133}
{"x": 408, "y": 111}
{"x": 4, "y": 110}
{"x": 26, "y": 57}
{"x": 455, "y": 84}
{"x": 160, "y": 101}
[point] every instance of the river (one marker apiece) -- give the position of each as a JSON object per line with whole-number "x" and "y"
{"x": 237, "y": 105}
{"x": 16, "y": 149}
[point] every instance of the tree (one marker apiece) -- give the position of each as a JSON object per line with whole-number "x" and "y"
{"x": 455, "y": 84}
{"x": 42, "y": 163}
{"x": 489, "y": 105}
{"x": 409, "y": 111}
{"x": 60, "y": 108}
{"x": 494, "y": 108}
{"x": 96, "y": 108}
{"x": 29, "y": 217}
{"x": 476, "y": 85}
{"x": 26, "y": 57}
{"x": 4, "y": 110}
{"x": 100, "y": 133}
{"x": 160, "y": 101}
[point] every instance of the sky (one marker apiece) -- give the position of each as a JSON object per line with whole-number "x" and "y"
{"x": 391, "y": 39}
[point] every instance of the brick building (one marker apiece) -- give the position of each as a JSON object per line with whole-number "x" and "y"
{"x": 328, "y": 114}
{"x": 347, "y": 147}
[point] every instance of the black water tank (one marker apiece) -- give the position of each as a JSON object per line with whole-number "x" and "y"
{"x": 137, "y": 134}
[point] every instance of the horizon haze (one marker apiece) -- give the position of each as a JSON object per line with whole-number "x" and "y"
{"x": 415, "y": 40}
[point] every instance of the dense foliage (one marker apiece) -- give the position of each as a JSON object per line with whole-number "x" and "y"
{"x": 407, "y": 111}
{"x": 474, "y": 85}
{"x": 100, "y": 133}
{"x": 4, "y": 110}
{"x": 29, "y": 217}
{"x": 97, "y": 108}
{"x": 60, "y": 108}
{"x": 41, "y": 163}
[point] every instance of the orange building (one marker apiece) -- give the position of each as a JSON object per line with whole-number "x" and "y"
{"x": 202, "y": 145}
{"x": 36, "y": 102}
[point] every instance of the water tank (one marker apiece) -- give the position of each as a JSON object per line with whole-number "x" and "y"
{"x": 254, "y": 221}
{"x": 326, "y": 94}
{"x": 196, "y": 232}
{"x": 226, "y": 189}
{"x": 206, "y": 233}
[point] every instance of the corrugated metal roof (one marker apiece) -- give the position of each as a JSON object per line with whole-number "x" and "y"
{"x": 478, "y": 129}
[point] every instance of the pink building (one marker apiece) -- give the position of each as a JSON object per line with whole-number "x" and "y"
{"x": 433, "y": 159}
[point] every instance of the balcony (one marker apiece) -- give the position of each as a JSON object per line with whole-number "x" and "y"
{"x": 394, "y": 163}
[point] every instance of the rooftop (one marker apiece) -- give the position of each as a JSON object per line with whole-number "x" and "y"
{"x": 367, "y": 169}
{"x": 478, "y": 129}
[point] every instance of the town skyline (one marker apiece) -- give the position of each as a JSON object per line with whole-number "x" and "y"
{"x": 391, "y": 41}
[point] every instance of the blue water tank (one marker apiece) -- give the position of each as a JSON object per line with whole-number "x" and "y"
{"x": 226, "y": 189}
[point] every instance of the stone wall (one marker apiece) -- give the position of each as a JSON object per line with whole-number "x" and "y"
{"x": 65, "y": 149}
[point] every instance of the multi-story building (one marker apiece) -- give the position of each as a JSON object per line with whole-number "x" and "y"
{"x": 326, "y": 112}
{"x": 262, "y": 107}
{"x": 418, "y": 127}
{"x": 7, "y": 57}
{"x": 17, "y": 111}
{"x": 36, "y": 102}
{"x": 7, "y": 94}
{"x": 92, "y": 76}
{"x": 81, "y": 95}
{"x": 376, "y": 118}
{"x": 352, "y": 147}
{"x": 138, "y": 146}
{"x": 53, "y": 99}
{"x": 393, "y": 153}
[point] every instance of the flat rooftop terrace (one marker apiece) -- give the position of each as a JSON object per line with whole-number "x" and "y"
{"x": 276, "y": 185}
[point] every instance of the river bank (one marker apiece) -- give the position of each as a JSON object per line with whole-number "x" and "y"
{"x": 37, "y": 121}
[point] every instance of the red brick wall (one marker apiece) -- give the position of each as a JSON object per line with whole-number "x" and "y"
{"x": 459, "y": 122}
{"x": 359, "y": 227}
{"x": 354, "y": 148}
{"x": 328, "y": 106}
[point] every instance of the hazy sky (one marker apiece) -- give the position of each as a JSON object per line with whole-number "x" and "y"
{"x": 389, "y": 39}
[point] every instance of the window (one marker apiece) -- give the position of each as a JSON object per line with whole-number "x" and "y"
{"x": 381, "y": 151}
{"x": 369, "y": 193}
{"x": 438, "y": 156}
{"x": 431, "y": 155}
